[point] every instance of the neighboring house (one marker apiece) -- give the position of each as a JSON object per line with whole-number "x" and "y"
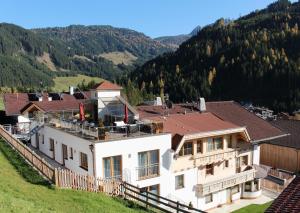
{"x": 288, "y": 200}
{"x": 213, "y": 160}
{"x": 283, "y": 153}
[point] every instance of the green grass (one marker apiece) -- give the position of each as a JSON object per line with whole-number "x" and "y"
{"x": 1, "y": 103}
{"x": 254, "y": 208}
{"x": 63, "y": 83}
{"x": 24, "y": 190}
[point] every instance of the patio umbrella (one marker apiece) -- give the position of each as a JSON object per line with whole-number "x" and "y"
{"x": 126, "y": 114}
{"x": 81, "y": 112}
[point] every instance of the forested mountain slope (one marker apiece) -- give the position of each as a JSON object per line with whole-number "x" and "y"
{"x": 28, "y": 57}
{"x": 255, "y": 58}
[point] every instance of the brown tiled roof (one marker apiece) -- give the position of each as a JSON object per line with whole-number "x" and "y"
{"x": 106, "y": 85}
{"x": 231, "y": 111}
{"x": 289, "y": 200}
{"x": 16, "y": 102}
{"x": 191, "y": 123}
{"x": 257, "y": 128}
{"x": 288, "y": 126}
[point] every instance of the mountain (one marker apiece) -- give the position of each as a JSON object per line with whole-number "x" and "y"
{"x": 255, "y": 58}
{"x": 28, "y": 57}
{"x": 175, "y": 41}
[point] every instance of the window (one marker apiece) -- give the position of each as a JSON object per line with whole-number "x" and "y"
{"x": 83, "y": 161}
{"x": 226, "y": 164}
{"x": 235, "y": 189}
{"x": 51, "y": 141}
{"x": 113, "y": 167}
{"x": 230, "y": 142}
{"x": 71, "y": 153}
{"x": 248, "y": 186}
{"x": 209, "y": 169}
{"x": 210, "y": 145}
{"x": 208, "y": 198}
{"x": 154, "y": 189}
{"x": 186, "y": 149}
{"x": 148, "y": 164}
{"x": 218, "y": 143}
{"x": 214, "y": 144}
{"x": 199, "y": 146}
{"x": 244, "y": 160}
{"x": 179, "y": 181}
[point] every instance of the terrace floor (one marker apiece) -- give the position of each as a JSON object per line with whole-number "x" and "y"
{"x": 266, "y": 197}
{"x": 49, "y": 160}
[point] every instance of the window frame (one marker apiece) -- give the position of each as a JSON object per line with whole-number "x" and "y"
{"x": 150, "y": 169}
{"x": 51, "y": 144}
{"x": 83, "y": 165}
{"x": 183, "y": 149}
{"x": 177, "y": 182}
{"x": 199, "y": 146}
{"x": 71, "y": 153}
{"x": 210, "y": 200}
{"x": 112, "y": 160}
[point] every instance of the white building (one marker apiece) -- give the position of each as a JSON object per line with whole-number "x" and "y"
{"x": 194, "y": 157}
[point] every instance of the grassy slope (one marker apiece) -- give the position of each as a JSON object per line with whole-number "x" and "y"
{"x": 63, "y": 83}
{"x": 23, "y": 190}
{"x": 254, "y": 208}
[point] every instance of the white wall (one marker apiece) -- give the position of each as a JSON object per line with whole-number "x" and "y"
{"x": 78, "y": 144}
{"x": 256, "y": 154}
{"x": 129, "y": 149}
{"x": 108, "y": 93}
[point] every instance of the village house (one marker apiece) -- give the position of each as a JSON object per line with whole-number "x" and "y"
{"x": 201, "y": 154}
{"x": 283, "y": 153}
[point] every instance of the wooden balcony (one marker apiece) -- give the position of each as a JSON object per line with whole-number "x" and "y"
{"x": 214, "y": 157}
{"x": 214, "y": 186}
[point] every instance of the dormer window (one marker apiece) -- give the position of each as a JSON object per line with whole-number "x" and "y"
{"x": 214, "y": 144}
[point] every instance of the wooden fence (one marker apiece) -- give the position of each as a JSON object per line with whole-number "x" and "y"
{"x": 68, "y": 179}
{"x": 39, "y": 163}
{"x": 71, "y": 180}
{"x": 155, "y": 201}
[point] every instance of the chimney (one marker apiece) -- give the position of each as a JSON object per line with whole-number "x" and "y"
{"x": 71, "y": 89}
{"x": 202, "y": 105}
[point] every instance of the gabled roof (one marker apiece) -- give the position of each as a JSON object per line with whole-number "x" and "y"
{"x": 195, "y": 125}
{"x": 289, "y": 200}
{"x": 258, "y": 129}
{"x": 16, "y": 103}
{"x": 107, "y": 85}
{"x": 291, "y": 127}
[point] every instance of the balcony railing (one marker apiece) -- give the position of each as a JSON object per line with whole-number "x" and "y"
{"x": 222, "y": 184}
{"x": 214, "y": 157}
{"x": 149, "y": 171}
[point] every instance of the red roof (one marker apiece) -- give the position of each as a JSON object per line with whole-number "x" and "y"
{"x": 230, "y": 111}
{"x": 288, "y": 200}
{"x": 191, "y": 123}
{"x": 106, "y": 85}
{"x": 15, "y": 103}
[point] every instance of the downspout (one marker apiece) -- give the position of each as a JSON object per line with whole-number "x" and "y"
{"x": 92, "y": 148}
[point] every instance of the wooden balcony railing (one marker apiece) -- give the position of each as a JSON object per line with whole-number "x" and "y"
{"x": 207, "y": 188}
{"x": 214, "y": 157}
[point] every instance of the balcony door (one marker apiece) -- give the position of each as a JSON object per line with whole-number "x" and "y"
{"x": 113, "y": 167}
{"x": 148, "y": 164}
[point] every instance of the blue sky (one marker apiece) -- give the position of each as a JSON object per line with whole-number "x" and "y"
{"x": 152, "y": 17}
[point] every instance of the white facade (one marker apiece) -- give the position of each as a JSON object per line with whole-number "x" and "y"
{"x": 127, "y": 148}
